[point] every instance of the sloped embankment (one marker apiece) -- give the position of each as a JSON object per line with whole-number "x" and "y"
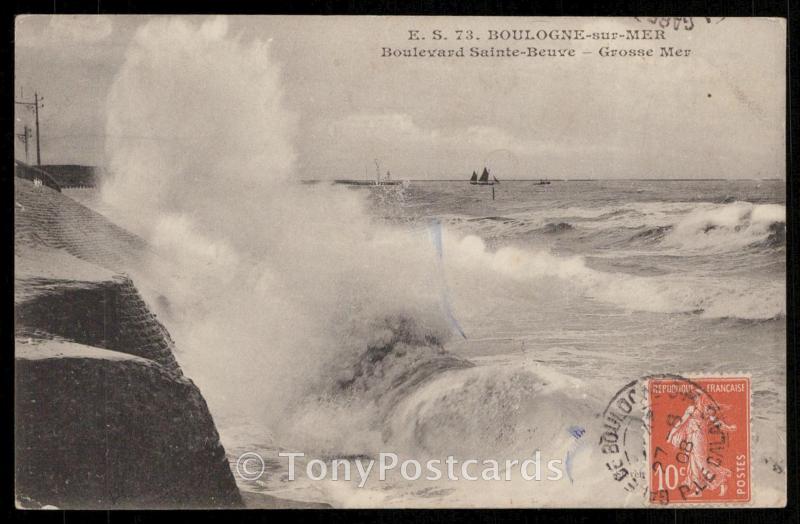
{"x": 104, "y": 416}
{"x": 47, "y": 218}
{"x": 107, "y": 314}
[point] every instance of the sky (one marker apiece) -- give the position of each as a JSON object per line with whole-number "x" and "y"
{"x": 718, "y": 113}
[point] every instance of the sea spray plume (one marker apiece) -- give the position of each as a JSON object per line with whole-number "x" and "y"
{"x": 196, "y": 121}
{"x": 269, "y": 283}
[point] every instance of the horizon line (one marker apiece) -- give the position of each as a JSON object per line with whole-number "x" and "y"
{"x": 531, "y": 179}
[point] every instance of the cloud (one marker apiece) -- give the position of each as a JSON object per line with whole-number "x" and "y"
{"x": 404, "y": 145}
{"x": 80, "y": 28}
{"x": 62, "y": 30}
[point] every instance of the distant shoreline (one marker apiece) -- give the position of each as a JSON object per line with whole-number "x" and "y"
{"x": 372, "y": 182}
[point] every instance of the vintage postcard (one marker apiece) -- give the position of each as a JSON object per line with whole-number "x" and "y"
{"x": 399, "y": 262}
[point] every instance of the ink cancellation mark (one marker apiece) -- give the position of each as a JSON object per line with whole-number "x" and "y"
{"x": 678, "y": 23}
{"x": 621, "y": 441}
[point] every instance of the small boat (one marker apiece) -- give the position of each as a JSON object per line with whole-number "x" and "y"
{"x": 484, "y": 179}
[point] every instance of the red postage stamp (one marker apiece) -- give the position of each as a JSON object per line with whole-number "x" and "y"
{"x": 699, "y": 443}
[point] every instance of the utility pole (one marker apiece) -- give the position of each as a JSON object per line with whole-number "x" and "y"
{"x": 35, "y": 105}
{"x": 38, "y": 142}
{"x": 25, "y": 137}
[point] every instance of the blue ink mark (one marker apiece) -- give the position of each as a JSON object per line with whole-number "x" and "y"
{"x": 576, "y": 432}
{"x": 436, "y": 235}
{"x": 435, "y": 230}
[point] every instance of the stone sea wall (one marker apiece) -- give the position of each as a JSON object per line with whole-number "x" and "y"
{"x": 104, "y": 416}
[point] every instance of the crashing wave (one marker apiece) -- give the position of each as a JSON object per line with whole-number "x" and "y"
{"x": 496, "y": 409}
{"x": 405, "y": 357}
{"x": 775, "y": 239}
{"x": 682, "y": 226}
{"x": 721, "y": 297}
{"x": 729, "y": 227}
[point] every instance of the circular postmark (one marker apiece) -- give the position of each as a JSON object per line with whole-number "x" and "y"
{"x": 662, "y": 438}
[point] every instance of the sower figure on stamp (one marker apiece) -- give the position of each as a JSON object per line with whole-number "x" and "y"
{"x": 690, "y": 435}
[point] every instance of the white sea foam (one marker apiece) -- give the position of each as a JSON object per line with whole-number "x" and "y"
{"x": 710, "y": 297}
{"x": 727, "y": 226}
{"x": 693, "y": 227}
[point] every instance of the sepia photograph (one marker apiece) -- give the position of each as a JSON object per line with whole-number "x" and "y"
{"x": 272, "y": 262}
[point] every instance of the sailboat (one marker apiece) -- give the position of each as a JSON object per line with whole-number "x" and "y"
{"x": 484, "y": 179}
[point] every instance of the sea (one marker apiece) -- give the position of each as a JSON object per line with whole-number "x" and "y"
{"x": 558, "y": 295}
